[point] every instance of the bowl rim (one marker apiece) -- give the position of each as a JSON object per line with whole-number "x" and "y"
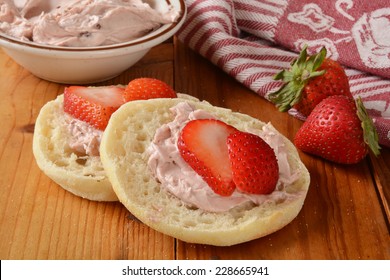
{"x": 166, "y": 28}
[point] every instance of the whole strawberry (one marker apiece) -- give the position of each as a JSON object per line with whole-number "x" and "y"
{"x": 254, "y": 165}
{"x": 147, "y": 88}
{"x": 339, "y": 130}
{"x": 310, "y": 80}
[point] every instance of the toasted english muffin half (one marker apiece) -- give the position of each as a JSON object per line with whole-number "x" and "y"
{"x": 124, "y": 155}
{"x": 79, "y": 174}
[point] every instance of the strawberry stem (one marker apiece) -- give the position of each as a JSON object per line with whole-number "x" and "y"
{"x": 302, "y": 70}
{"x": 369, "y": 131}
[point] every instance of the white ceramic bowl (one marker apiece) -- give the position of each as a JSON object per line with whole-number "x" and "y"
{"x": 71, "y": 65}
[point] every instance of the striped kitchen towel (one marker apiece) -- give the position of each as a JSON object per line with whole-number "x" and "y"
{"x": 252, "y": 40}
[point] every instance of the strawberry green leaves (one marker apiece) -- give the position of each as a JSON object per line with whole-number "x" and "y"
{"x": 369, "y": 132}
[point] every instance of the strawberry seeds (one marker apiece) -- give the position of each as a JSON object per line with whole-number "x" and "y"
{"x": 227, "y": 158}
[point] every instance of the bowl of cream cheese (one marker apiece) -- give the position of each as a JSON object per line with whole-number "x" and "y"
{"x": 85, "y": 41}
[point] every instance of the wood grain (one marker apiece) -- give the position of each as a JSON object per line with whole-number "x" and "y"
{"x": 345, "y": 215}
{"x": 380, "y": 168}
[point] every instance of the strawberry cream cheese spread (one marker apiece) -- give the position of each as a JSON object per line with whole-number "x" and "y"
{"x": 177, "y": 177}
{"x": 80, "y": 23}
{"x": 85, "y": 139}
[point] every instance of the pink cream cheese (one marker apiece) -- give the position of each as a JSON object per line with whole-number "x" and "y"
{"x": 84, "y": 138}
{"x": 81, "y": 23}
{"x": 178, "y": 178}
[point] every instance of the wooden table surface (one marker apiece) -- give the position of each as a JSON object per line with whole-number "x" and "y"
{"x": 345, "y": 216}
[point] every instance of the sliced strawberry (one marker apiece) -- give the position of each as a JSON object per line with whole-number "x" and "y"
{"x": 254, "y": 164}
{"x": 148, "y": 88}
{"x": 202, "y": 144}
{"x": 93, "y": 105}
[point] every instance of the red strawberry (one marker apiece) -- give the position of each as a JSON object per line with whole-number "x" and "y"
{"x": 148, "y": 88}
{"x": 202, "y": 144}
{"x": 309, "y": 81}
{"x": 254, "y": 164}
{"x": 93, "y": 105}
{"x": 338, "y": 129}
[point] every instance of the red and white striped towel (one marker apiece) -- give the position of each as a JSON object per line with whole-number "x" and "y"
{"x": 252, "y": 40}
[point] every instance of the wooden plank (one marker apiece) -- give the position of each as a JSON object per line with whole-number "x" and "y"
{"x": 380, "y": 168}
{"x": 342, "y": 216}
